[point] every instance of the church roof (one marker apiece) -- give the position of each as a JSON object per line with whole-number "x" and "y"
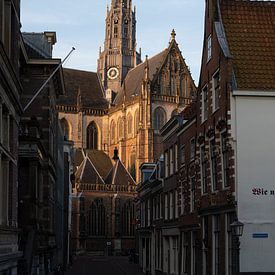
{"x": 119, "y": 175}
{"x": 133, "y": 82}
{"x": 101, "y": 161}
{"x": 87, "y": 85}
{"x": 97, "y": 168}
{"x": 87, "y": 173}
{"x": 250, "y": 32}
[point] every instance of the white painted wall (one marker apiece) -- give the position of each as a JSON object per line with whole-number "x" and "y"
{"x": 253, "y": 121}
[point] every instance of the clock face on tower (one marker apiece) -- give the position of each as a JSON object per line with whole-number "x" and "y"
{"x": 113, "y": 73}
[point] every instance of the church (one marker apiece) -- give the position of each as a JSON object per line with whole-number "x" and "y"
{"x": 120, "y": 108}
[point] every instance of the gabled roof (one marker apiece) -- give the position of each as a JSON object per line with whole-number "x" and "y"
{"x": 37, "y": 45}
{"x": 250, "y": 32}
{"x": 133, "y": 82}
{"x": 101, "y": 161}
{"x": 119, "y": 175}
{"x": 87, "y": 85}
{"x": 87, "y": 173}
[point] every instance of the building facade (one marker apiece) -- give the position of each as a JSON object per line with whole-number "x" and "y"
{"x": 103, "y": 213}
{"x": 10, "y": 112}
{"x": 40, "y": 159}
{"x": 221, "y": 149}
{"x": 125, "y": 104}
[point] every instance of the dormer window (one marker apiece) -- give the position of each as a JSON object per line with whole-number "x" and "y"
{"x": 209, "y": 47}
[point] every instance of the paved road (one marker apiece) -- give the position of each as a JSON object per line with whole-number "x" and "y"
{"x": 92, "y": 265}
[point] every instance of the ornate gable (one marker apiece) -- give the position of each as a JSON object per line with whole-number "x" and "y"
{"x": 173, "y": 79}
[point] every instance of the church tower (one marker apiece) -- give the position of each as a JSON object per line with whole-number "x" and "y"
{"x": 119, "y": 54}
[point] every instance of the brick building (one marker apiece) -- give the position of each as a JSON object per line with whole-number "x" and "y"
{"x": 224, "y": 151}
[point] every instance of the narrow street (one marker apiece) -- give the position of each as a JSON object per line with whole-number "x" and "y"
{"x": 95, "y": 265}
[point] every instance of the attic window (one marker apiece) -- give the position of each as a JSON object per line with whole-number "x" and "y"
{"x": 209, "y": 47}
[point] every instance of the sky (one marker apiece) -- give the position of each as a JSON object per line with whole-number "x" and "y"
{"x": 82, "y": 24}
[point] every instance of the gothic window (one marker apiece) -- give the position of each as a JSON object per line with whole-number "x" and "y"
{"x": 128, "y": 218}
{"x": 65, "y": 129}
{"x": 183, "y": 86}
{"x": 92, "y": 136}
{"x": 132, "y": 164}
{"x": 125, "y": 31}
{"x": 97, "y": 218}
{"x": 136, "y": 121}
{"x": 173, "y": 85}
{"x": 159, "y": 118}
{"x": 113, "y": 132}
{"x": 129, "y": 125}
{"x": 115, "y": 30}
{"x": 120, "y": 128}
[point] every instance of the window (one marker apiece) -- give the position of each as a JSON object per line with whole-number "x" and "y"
{"x": 129, "y": 124}
{"x": 182, "y": 198}
{"x": 182, "y": 155}
{"x": 192, "y": 148}
{"x": 159, "y": 118}
{"x": 183, "y": 86}
{"x": 171, "y": 206}
{"x": 115, "y": 31}
{"x": 97, "y": 218}
{"x": 128, "y": 214}
{"x": 225, "y": 160}
{"x": 204, "y": 103}
{"x": 216, "y": 244}
{"x": 209, "y": 47}
{"x": 173, "y": 86}
{"x": 192, "y": 194}
{"x": 214, "y": 168}
{"x": 136, "y": 121}
{"x": 125, "y": 31}
{"x": 166, "y": 207}
{"x": 149, "y": 212}
{"x": 120, "y": 129}
{"x": 92, "y": 136}
{"x": 203, "y": 169}
{"x": 166, "y": 164}
{"x": 216, "y": 90}
{"x": 176, "y": 204}
{"x": 176, "y": 158}
{"x": 171, "y": 161}
{"x": 65, "y": 129}
{"x": 113, "y": 132}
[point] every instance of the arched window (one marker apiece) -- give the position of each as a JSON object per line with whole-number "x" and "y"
{"x": 132, "y": 164}
{"x": 173, "y": 85}
{"x": 128, "y": 218}
{"x": 113, "y": 132}
{"x": 92, "y": 136}
{"x": 129, "y": 124}
{"x": 97, "y": 218}
{"x": 136, "y": 121}
{"x": 120, "y": 128}
{"x": 159, "y": 118}
{"x": 65, "y": 128}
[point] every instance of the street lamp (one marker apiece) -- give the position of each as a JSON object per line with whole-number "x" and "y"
{"x": 237, "y": 231}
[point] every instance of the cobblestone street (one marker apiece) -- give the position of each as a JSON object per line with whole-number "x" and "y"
{"x": 94, "y": 265}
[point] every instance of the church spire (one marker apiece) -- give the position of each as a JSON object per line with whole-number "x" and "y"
{"x": 119, "y": 54}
